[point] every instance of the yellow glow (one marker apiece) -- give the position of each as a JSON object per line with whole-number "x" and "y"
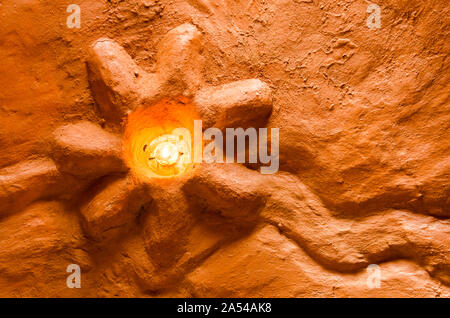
{"x": 166, "y": 154}
{"x": 158, "y": 139}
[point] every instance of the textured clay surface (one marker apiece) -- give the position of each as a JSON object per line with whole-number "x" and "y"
{"x": 364, "y": 176}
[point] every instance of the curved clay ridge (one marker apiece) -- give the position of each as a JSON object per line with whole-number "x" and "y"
{"x": 339, "y": 244}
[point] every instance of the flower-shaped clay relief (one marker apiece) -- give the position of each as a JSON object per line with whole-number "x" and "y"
{"x": 162, "y": 218}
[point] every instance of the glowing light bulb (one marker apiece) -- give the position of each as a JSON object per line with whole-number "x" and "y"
{"x": 166, "y": 153}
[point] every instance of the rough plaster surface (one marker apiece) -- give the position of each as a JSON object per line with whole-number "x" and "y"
{"x": 364, "y": 146}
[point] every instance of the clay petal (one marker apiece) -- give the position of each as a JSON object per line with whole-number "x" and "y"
{"x": 115, "y": 205}
{"x": 84, "y": 149}
{"x": 246, "y": 103}
{"x": 114, "y": 79}
{"x": 223, "y": 187}
{"x": 178, "y": 60}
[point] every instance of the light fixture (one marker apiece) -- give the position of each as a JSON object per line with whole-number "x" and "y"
{"x": 157, "y": 139}
{"x": 167, "y": 154}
